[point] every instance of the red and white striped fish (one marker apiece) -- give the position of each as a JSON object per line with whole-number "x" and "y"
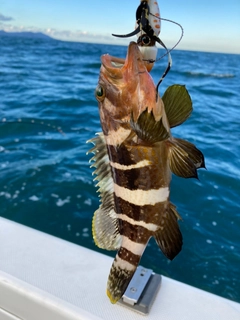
{"x": 134, "y": 156}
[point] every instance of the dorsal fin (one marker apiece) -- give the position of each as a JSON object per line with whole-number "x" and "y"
{"x": 148, "y": 129}
{"x": 178, "y": 104}
{"x": 184, "y": 158}
{"x": 105, "y": 222}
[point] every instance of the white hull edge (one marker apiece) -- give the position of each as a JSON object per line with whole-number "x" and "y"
{"x": 43, "y": 277}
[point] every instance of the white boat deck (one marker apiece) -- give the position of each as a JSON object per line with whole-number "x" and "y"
{"x": 46, "y": 278}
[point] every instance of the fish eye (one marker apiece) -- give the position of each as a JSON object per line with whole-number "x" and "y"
{"x": 100, "y": 93}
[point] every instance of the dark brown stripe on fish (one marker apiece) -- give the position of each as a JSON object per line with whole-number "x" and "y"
{"x": 128, "y": 154}
{"x": 147, "y": 213}
{"x": 134, "y": 233}
{"x": 128, "y": 256}
{"x": 120, "y": 155}
{"x": 145, "y": 178}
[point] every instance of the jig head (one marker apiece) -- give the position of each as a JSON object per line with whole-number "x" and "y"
{"x": 142, "y": 22}
{"x": 148, "y": 25}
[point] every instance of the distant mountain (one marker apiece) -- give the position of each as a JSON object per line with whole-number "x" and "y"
{"x": 25, "y": 34}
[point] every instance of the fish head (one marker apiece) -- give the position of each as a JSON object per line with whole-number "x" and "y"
{"x": 125, "y": 89}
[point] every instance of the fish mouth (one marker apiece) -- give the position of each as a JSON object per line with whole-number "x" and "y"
{"x": 133, "y": 64}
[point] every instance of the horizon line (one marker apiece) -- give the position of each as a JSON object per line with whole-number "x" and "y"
{"x": 108, "y": 41}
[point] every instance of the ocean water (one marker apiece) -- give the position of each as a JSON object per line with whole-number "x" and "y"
{"x": 45, "y": 179}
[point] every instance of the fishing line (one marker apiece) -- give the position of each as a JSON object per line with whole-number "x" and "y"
{"x": 32, "y": 121}
{"x": 167, "y": 53}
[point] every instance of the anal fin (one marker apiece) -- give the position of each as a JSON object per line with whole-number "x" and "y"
{"x": 105, "y": 229}
{"x": 169, "y": 237}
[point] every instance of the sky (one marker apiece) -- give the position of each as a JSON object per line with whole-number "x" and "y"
{"x": 209, "y": 25}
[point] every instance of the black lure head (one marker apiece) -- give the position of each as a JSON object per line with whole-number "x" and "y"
{"x": 142, "y": 18}
{"x": 148, "y": 37}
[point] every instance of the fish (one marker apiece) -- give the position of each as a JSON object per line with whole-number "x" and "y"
{"x": 134, "y": 157}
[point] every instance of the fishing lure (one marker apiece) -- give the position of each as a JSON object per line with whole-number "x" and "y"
{"x": 134, "y": 156}
{"x": 147, "y": 29}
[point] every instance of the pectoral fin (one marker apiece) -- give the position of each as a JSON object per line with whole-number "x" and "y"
{"x": 184, "y": 158}
{"x": 178, "y": 104}
{"x": 194, "y": 154}
{"x": 148, "y": 129}
{"x": 169, "y": 237}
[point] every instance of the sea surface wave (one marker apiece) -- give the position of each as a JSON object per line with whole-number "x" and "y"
{"x": 46, "y": 182}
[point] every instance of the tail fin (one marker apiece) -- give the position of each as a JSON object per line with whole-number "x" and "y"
{"x": 120, "y": 275}
{"x": 123, "y": 268}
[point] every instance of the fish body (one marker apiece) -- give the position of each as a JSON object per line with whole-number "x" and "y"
{"x": 134, "y": 157}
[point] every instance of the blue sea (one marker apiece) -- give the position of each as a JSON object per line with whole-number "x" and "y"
{"x": 45, "y": 179}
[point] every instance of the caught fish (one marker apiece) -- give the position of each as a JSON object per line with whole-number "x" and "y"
{"x": 134, "y": 156}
